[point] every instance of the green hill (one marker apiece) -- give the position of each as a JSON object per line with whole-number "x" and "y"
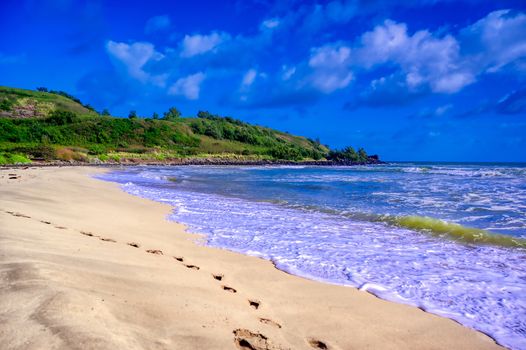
{"x": 19, "y": 103}
{"x": 52, "y": 125}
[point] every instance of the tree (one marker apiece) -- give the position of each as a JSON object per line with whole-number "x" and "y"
{"x": 132, "y": 115}
{"x": 105, "y": 112}
{"x": 348, "y": 154}
{"x": 155, "y": 115}
{"x": 172, "y": 114}
{"x": 362, "y": 155}
{"x": 90, "y": 107}
{"x": 42, "y": 89}
{"x": 204, "y": 114}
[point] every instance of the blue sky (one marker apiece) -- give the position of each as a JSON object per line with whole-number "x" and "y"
{"x": 422, "y": 80}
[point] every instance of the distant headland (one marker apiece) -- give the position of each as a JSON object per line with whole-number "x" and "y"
{"x": 50, "y": 127}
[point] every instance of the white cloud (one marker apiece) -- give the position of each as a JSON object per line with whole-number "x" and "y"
{"x": 443, "y": 109}
{"x": 497, "y": 40}
{"x": 447, "y": 64}
{"x": 198, "y": 44}
{"x": 157, "y": 23}
{"x": 424, "y": 59}
{"x": 188, "y": 86}
{"x": 134, "y": 57}
{"x": 249, "y": 77}
{"x": 451, "y": 83}
{"x": 270, "y": 23}
{"x": 330, "y": 66}
{"x": 288, "y": 72}
{"x": 329, "y": 56}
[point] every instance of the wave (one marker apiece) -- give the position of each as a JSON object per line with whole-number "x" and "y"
{"x": 457, "y": 171}
{"x": 429, "y": 225}
{"x": 454, "y": 231}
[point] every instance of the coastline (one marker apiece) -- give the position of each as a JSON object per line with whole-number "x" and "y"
{"x": 73, "y": 281}
{"x": 195, "y": 161}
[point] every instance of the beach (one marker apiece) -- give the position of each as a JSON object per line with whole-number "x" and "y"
{"x": 85, "y": 265}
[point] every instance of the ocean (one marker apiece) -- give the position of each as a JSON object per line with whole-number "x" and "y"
{"x": 448, "y": 238}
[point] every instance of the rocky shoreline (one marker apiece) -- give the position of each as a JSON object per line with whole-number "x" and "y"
{"x": 198, "y": 161}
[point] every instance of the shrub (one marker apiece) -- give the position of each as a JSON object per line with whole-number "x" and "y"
{"x": 69, "y": 154}
{"x": 96, "y": 149}
{"x": 103, "y": 157}
{"x": 40, "y": 152}
{"x": 114, "y": 158}
{"x": 13, "y": 158}
{"x": 61, "y": 117}
{"x": 19, "y": 159}
{"x": 6, "y": 105}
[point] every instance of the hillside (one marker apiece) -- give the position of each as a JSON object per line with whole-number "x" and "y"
{"x": 19, "y": 103}
{"x": 47, "y": 126}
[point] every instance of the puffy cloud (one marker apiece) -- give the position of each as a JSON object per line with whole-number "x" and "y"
{"x": 496, "y": 41}
{"x": 157, "y": 23}
{"x": 447, "y": 64}
{"x": 134, "y": 57}
{"x": 193, "y": 45}
{"x": 330, "y": 68}
{"x": 188, "y": 86}
{"x": 425, "y": 60}
{"x": 391, "y": 64}
{"x": 329, "y": 57}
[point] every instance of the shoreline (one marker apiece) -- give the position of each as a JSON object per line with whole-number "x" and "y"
{"x": 281, "y": 298}
{"x": 194, "y": 161}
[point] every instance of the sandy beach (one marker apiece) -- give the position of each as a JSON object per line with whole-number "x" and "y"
{"x": 84, "y": 265}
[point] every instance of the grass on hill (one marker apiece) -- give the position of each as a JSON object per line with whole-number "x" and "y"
{"x": 43, "y": 125}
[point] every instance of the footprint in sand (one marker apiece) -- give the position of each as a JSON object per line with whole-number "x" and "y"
{"x": 218, "y": 277}
{"x": 45, "y": 222}
{"x": 269, "y": 322}
{"x": 229, "y": 289}
{"x": 245, "y": 339}
{"x": 20, "y": 215}
{"x": 179, "y": 258}
{"x": 61, "y": 227}
{"x": 89, "y": 234}
{"x": 108, "y": 240}
{"x": 317, "y": 344}
{"x": 193, "y": 267}
{"x": 254, "y": 304}
{"x": 154, "y": 251}
{"x": 133, "y": 244}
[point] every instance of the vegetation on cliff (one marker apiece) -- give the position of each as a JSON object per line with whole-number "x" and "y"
{"x": 53, "y": 125}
